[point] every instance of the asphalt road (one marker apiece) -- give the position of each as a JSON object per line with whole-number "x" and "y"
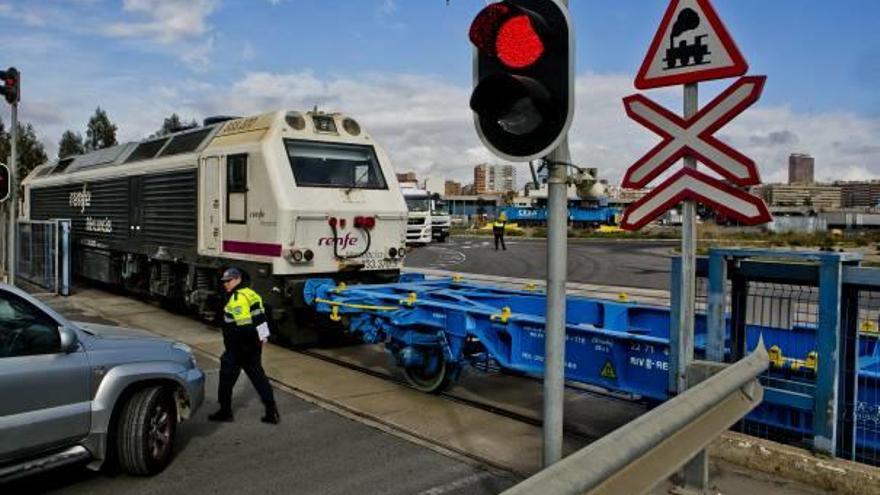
{"x": 643, "y": 264}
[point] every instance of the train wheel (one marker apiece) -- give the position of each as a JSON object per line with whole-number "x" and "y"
{"x": 430, "y": 381}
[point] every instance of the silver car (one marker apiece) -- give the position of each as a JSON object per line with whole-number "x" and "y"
{"x": 76, "y": 391}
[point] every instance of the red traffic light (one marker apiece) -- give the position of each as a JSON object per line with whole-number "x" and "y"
{"x": 11, "y": 89}
{"x": 523, "y": 77}
{"x": 510, "y": 33}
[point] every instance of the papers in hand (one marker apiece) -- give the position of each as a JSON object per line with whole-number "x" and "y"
{"x": 263, "y": 332}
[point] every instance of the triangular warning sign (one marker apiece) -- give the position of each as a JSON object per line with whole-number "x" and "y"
{"x": 691, "y": 45}
{"x": 608, "y": 371}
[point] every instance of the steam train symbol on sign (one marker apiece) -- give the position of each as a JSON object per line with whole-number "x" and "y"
{"x": 684, "y": 54}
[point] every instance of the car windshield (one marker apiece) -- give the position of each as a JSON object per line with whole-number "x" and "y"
{"x": 344, "y": 166}
{"x": 440, "y": 208}
{"x": 418, "y": 204}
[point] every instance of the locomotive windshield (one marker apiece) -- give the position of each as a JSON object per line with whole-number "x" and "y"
{"x": 344, "y": 166}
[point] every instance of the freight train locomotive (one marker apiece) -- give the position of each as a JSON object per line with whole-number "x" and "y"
{"x": 284, "y": 195}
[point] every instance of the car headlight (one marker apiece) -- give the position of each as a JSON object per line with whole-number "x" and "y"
{"x": 180, "y": 346}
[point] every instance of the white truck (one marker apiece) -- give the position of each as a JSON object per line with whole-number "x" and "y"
{"x": 419, "y": 228}
{"x": 440, "y": 219}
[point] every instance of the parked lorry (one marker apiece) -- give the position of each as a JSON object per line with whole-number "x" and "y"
{"x": 419, "y": 224}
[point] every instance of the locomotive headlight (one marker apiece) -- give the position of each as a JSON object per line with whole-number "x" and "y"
{"x": 297, "y": 256}
{"x": 351, "y": 126}
{"x": 392, "y": 253}
{"x": 401, "y": 252}
{"x": 309, "y": 255}
{"x": 295, "y": 120}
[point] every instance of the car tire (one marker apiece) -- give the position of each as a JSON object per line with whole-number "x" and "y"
{"x": 145, "y": 432}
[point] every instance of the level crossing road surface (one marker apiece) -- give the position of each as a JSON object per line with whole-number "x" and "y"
{"x": 312, "y": 451}
{"x": 355, "y": 434}
{"x": 623, "y": 263}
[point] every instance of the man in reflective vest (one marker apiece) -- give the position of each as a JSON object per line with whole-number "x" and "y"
{"x": 244, "y": 331}
{"x": 498, "y": 230}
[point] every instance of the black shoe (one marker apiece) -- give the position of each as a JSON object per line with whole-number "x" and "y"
{"x": 222, "y": 415}
{"x": 272, "y": 417}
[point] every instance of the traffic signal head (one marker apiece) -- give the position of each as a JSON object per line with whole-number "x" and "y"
{"x": 4, "y": 182}
{"x": 11, "y": 88}
{"x": 523, "y": 95}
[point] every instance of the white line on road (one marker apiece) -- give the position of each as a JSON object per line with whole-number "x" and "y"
{"x": 457, "y": 484}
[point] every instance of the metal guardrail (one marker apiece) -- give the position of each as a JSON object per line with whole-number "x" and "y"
{"x": 639, "y": 455}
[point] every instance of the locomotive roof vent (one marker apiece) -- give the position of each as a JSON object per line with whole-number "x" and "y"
{"x": 216, "y": 119}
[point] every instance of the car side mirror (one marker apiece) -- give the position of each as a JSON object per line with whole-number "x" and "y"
{"x": 69, "y": 339}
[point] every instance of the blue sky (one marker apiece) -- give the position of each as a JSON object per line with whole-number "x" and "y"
{"x": 403, "y": 68}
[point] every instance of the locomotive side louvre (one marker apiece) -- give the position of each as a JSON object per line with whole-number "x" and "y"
{"x": 286, "y": 196}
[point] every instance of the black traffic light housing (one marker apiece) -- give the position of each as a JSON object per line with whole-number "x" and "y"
{"x": 523, "y": 77}
{"x": 11, "y": 89}
{"x": 5, "y": 188}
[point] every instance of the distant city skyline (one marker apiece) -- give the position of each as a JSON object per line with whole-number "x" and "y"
{"x": 403, "y": 69}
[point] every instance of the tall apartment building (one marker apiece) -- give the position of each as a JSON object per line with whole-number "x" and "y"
{"x": 406, "y": 177}
{"x": 800, "y": 168}
{"x": 452, "y": 188}
{"x": 494, "y": 178}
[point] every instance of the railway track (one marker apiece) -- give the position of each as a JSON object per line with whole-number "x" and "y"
{"x": 576, "y": 431}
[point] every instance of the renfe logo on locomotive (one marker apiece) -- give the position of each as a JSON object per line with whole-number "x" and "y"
{"x": 81, "y": 199}
{"x": 342, "y": 242}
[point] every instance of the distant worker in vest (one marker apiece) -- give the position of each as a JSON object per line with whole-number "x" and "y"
{"x": 498, "y": 230}
{"x": 244, "y": 332}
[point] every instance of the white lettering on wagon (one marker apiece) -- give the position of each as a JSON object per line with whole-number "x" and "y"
{"x": 648, "y": 363}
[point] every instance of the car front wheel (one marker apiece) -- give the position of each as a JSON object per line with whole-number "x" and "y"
{"x": 145, "y": 432}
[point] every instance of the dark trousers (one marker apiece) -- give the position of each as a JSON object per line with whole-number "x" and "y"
{"x": 499, "y": 236}
{"x": 243, "y": 352}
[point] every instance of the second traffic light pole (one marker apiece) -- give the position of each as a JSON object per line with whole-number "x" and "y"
{"x": 13, "y": 197}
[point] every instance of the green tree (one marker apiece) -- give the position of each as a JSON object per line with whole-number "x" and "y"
{"x": 30, "y": 150}
{"x": 71, "y": 144}
{"x": 101, "y": 132}
{"x": 173, "y": 124}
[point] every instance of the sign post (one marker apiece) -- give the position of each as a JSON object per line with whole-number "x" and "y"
{"x": 692, "y": 45}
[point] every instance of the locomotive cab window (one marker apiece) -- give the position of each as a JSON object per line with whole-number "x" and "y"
{"x": 236, "y": 188}
{"x": 334, "y": 165}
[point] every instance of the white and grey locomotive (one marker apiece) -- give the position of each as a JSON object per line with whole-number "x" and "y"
{"x": 284, "y": 195}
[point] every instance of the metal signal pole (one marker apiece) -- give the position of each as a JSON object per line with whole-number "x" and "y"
{"x": 13, "y": 198}
{"x": 554, "y": 331}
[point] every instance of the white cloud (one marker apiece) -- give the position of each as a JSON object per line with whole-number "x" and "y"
{"x": 425, "y": 124}
{"x": 388, "y": 7}
{"x": 179, "y": 24}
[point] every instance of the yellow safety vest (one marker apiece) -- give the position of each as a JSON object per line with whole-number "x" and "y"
{"x": 243, "y": 306}
{"x": 499, "y": 225}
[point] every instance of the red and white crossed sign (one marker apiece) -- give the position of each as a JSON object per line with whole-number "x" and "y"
{"x": 694, "y": 136}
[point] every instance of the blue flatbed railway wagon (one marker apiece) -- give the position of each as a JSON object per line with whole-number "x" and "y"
{"x": 435, "y": 328}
